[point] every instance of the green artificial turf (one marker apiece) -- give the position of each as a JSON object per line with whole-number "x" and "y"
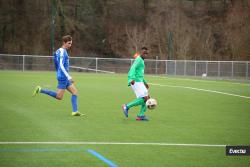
{"x": 189, "y": 111}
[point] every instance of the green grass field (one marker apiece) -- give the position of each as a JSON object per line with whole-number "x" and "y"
{"x": 185, "y": 115}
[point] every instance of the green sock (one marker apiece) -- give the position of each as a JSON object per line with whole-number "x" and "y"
{"x": 143, "y": 110}
{"x": 136, "y": 102}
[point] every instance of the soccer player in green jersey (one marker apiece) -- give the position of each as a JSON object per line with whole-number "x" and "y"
{"x": 139, "y": 86}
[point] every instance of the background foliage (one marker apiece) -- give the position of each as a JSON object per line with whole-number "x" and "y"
{"x": 182, "y": 29}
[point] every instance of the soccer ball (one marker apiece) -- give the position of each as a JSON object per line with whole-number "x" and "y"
{"x": 151, "y": 103}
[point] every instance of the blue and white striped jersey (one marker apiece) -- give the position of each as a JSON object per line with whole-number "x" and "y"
{"x": 61, "y": 60}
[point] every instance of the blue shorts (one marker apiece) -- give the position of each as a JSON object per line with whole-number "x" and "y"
{"x": 63, "y": 84}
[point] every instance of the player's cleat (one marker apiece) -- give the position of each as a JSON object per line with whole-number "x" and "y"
{"x": 77, "y": 114}
{"x": 125, "y": 110}
{"x": 142, "y": 118}
{"x": 36, "y": 90}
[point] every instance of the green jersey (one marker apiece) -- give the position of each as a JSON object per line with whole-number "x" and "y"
{"x": 136, "y": 71}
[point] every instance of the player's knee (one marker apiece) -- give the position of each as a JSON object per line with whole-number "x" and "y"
{"x": 59, "y": 97}
{"x": 146, "y": 98}
{"x": 73, "y": 91}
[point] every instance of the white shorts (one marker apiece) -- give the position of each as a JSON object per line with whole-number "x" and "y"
{"x": 140, "y": 89}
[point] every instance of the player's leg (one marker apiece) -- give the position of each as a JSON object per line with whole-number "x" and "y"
{"x": 62, "y": 84}
{"x": 39, "y": 89}
{"x": 141, "y": 115}
{"x": 60, "y": 93}
{"x": 140, "y": 92}
{"x": 136, "y": 102}
{"x": 72, "y": 89}
{"x": 142, "y": 110}
{"x": 143, "y": 106}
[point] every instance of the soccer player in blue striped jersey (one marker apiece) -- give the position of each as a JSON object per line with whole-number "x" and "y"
{"x": 65, "y": 81}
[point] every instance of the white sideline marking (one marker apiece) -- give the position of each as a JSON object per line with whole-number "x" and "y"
{"x": 205, "y": 90}
{"x": 90, "y": 69}
{"x": 202, "y": 80}
{"x": 112, "y": 143}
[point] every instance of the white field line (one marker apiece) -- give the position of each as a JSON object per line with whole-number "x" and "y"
{"x": 205, "y": 90}
{"x": 110, "y": 143}
{"x": 90, "y": 69}
{"x": 202, "y": 80}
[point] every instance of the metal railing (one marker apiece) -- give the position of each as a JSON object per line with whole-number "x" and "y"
{"x": 218, "y": 69}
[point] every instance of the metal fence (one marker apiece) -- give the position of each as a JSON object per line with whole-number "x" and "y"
{"x": 218, "y": 69}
